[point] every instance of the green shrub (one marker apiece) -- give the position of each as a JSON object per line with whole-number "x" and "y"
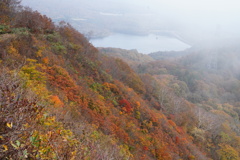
{"x": 20, "y": 31}
{"x": 59, "y": 48}
{"x": 4, "y": 29}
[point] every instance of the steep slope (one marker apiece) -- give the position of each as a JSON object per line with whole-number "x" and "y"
{"x": 62, "y": 99}
{"x": 209, "y": 79}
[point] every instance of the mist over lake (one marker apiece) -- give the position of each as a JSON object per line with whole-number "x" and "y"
{"x": 144, "y": 44}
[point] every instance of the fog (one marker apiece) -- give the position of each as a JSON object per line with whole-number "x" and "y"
{"x": 211, "y": 22}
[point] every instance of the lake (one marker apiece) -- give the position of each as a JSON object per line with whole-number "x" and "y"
{"x": 144, "y": 44}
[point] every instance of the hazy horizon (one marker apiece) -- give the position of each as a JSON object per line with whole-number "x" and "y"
{"x": 195, "y": 21}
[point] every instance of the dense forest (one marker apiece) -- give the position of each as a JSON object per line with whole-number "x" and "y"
{"x": 62, "y": 98}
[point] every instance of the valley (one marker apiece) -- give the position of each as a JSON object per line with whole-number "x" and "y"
{"x": 64, "y": 97}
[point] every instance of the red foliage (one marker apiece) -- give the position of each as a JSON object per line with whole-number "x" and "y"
{"x": 126, "y": 106}
{"x": 145, "y": 148}
{"x": 58, "y": 77}
{"x": 177, "y": 140}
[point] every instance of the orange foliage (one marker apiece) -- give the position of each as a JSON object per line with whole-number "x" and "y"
{"x": 179, "y": 130}
{"x": 59, "y": 77}
{"x": 172, "y": 123}
{"x": 56, "y": 101}
{"x": 112, "y": 87}
{"x": 45, "y": 60}
{"x": 138, "y": 104}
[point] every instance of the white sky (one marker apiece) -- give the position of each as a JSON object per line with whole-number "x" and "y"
{"x": 191, "y": 17}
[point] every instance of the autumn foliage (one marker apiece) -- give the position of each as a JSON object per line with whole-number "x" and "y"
{"x": 62, "y": 99}
{"x": 125, "y": 106}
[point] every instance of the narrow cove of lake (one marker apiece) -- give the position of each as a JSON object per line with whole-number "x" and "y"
{"x": 144, "y": 44}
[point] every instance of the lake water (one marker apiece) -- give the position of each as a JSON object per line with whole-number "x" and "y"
{"x": 144, "y": 44}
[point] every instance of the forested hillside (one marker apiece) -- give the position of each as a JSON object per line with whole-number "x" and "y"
{"x": 60, "y": 98}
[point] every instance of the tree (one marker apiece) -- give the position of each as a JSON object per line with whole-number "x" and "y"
{"x": 226, "y": 152}
{"x": 125, "y": 106}
{"x": 208, "y": 124}
{"x": 164, "y": 91}
{"x": 34, "y": 21}
{"x": 7, "y": 10}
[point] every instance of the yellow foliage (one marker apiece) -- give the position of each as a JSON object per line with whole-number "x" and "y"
{"x": 35, "y": 80}
{"x": 31, "y": 61}
{"x": 13, "y": 51}
{"x": 5, "y": 148}
{"x": 191, "y": 157}
{"x": 124, "y": 149}
{"x": 138, "y": 115}
{"x": 39, "y": 53}
{"x": 227, "y": 152}
{"x": 101, "y": 97}
{"x": 48, "y": 142}
{"x": 26, "y": 125}
{"x": 74, "y": 153}
{"x": 9, "y": 125}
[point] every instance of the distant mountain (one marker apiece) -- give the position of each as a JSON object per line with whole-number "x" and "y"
{"x": 163, "y": 55}
{"x": 130, "y": 56}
